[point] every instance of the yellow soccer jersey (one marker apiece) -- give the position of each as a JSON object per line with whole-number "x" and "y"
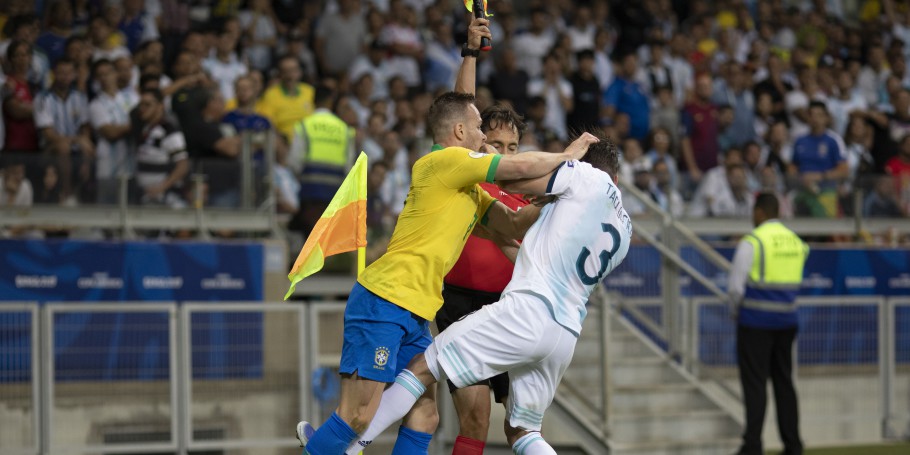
{"x": 443, "y": 205}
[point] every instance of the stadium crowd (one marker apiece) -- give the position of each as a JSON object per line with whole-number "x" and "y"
{"x": 710, "y": 101}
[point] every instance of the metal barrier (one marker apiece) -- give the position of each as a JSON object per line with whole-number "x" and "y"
{"x": 840, "y": 363}
{"x": 122, "y": 406}
{"x": 896, "y": 380}
{"x": 244, "y": 387}
{"x": 19, "y": 371}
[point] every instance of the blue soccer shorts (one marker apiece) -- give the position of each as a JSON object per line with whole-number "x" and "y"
{"x": 380, "y": 338}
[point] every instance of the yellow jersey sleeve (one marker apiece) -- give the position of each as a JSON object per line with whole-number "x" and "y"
{"x": 458, "y": 167}
{"x": 484, "y": 203}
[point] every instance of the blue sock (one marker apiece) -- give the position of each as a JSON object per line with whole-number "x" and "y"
{"x": 411, "y": 442}
{"x": 332, "y": 438}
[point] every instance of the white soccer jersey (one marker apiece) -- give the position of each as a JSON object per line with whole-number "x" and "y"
{"x": 574, "y": 244}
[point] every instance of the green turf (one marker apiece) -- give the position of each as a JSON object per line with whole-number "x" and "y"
{"x": 887, "y": 449}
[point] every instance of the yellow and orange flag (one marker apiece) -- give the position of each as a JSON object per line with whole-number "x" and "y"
{"x": 342, "y": 227}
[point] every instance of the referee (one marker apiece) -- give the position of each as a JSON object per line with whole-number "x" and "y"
{"x": 483, "y": 270}
{"x": 765, "y": 279}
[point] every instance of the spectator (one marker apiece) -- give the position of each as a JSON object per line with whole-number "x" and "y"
{"x": 582, "y": 31}
{"x": 665, "y": 191}
{"x": 18, "y": 101}
{"x": 162, "y": 162}
{"x": 700, "y": 147}
{"x": 666, "y": 115}
{"x": 681, "y": 68}
{"x": 289, "y": 101}
{"x": 557, "y": 92}
{"x": 899, "y": 119}
{"x": 298, "y": 45}
{"x": 873, "y": 74}
{"x": 398, "y": 177}
{"x": 818, "y": 161}
{"x": 375, "y": 64}
{"x": 847, "y": 101}
{"x": 215, "y": 149}
{"x": 127, "y": 79}
{"x": 110, "y": 121}
{"x": 602, "y": 63}
{"x": 752, "y": 163}
{"x": 25, "y": 28}
{"x": 244, "y": 117}
{"x": 443, "y": 58}
{"x": 627, "y": 96}
{"x": 79, "y": 51}
{"x": 370, "y": 143}
{"x": 137, "y": 25}
{"x": 15, "y": 189}
{"x": 776, "y": 84}
{"x": 729, "y": 197}
{"x": 643, "y": 181}
{"x": 61, "y": 116}
{"x": 656, "y": 74}
{"x": 633, "y": 159}
{"x": 778, "y": 150}
{"x": 585, "y": 113}
{"x": 340, "y": 37}
{"x": 509, "y": 82}
{"x": 659, "y": 150}
{"x": 532, "y": 45}
{"x": 899, "y": 168}
{"x": 726, "y": 137}
{"x": 49, "y": 191}
{"x": 224, "y": 66}
{"x": 764, "y": 114}
{"x": 59, "y": 29}
{"x": 105, "y": 43}
{"x": 260, "y": 34}
{"x": 882, "y": 201}
{"x": 859, "y": 141}
{"x": 736, "y": 92}
{"x": 406, "y": 48}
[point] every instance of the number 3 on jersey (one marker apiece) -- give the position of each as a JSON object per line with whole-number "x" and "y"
{"x": 605, "y": 257}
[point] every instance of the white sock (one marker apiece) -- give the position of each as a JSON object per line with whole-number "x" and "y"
{"x": 532, "y": 444}
{"x": 396, "y": 401}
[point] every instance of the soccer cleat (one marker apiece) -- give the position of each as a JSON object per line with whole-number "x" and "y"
{"x": 304, "y": 432}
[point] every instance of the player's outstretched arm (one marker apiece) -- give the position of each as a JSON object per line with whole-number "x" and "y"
{"x": 509, "y": 223}
{"x": 529, "y": 165}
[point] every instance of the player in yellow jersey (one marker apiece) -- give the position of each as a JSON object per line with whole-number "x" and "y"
{"x": 388, "y": 312}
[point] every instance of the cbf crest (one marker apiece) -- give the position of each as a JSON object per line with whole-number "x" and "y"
{"x": 382, "y": 357}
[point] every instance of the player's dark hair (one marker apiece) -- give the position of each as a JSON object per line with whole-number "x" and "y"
{"x": 446, "y": 110}
{"x": 501, "y": 114}
{"x": 603, "y": 155}
{"x": 768, "y": 204}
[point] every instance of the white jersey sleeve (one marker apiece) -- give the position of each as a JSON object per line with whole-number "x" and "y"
{"x": 574, "y": 244}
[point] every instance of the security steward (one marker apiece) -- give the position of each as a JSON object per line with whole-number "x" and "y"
{"x": 763, "y": 284}
{"x": 322, "y": 151}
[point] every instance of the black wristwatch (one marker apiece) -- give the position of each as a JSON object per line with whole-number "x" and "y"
{"x": 468, "y": 52}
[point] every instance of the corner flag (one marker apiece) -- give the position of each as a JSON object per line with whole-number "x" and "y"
{"x": 342, "y": 227}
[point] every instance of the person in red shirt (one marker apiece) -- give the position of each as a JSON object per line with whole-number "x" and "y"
{"x": 899, "y": 167}
{"x": 483, "y": 270}
{"x": 18, "y": 106}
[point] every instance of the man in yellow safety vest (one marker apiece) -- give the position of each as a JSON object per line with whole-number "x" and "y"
{"x": 322, "y": 151}
{"x": 763, "y": 284}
